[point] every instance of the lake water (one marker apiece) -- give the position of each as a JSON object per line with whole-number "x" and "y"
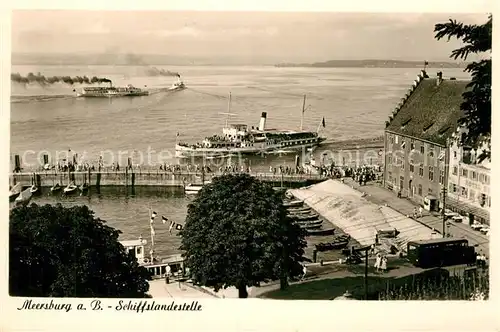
{"x": 355, "y": 103}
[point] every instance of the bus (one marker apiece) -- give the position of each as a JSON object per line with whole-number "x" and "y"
{"x": 440, "y": 252}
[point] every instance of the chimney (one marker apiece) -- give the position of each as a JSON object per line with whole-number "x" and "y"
{"x": 439, "y": 78}
{"x": 262, "y": 124}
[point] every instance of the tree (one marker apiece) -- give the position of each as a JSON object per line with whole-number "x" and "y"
{"x": 237, "y": 233}
{"x": 67, "y": 252}
{"x": 477, "y": 99}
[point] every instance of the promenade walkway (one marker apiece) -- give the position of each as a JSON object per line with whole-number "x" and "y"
{"x": 159, "y": 289}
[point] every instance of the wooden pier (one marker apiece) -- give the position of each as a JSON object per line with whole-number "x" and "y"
{"x": 128, "y": 178}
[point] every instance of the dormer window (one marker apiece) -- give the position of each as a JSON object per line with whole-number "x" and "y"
{"x": 428, "y": 126}
{"x": 403, "y": 125}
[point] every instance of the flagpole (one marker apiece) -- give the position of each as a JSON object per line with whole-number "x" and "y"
{"x": 303, "y": 110}
{"x": 151, "y": 221}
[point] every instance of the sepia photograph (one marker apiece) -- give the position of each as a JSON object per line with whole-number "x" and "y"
{"x": 204, "y": 155}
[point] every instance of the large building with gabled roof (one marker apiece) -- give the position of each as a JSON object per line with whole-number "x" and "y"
{"x": 417, "y": 137}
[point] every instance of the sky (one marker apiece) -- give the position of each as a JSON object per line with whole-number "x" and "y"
{"x": 282, "y": 36}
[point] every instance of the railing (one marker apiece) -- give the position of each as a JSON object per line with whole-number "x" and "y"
{"x": 271, "y": 177}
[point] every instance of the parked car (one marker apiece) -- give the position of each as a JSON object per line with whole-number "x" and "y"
{"x": 457, "y": 218}
{"x": 450, "y": 214}
{"x": 477, "y": 226}
{"x": 485, "y": 230}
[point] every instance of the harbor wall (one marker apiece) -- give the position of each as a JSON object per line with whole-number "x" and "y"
{"x": 136, "y": 179}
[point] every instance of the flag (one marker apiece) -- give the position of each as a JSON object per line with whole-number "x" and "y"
{"x": 172, "y": 224}
{"x": 426, "y": 63}
{"x": 154, "y": 214}
{"x": 153, "y": 233}
{"x": 178, "y": 227}
{"x": 164, "y": 219}
{"x": 323, "y": 122}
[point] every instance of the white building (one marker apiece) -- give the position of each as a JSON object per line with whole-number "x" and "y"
{"x": 468, "y": 184}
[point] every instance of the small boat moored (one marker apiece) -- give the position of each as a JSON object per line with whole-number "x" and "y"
{"x": 193, "y": 189}
{"x": 304, "y": 217}
{"x": 24, "y": 197}
{"x": 310, "y": 226}
{"x": 310, "y": 222}
{"x": 55, "y": 188}
{"x": 84, "y": 188}
{"x": 33, "y": 189}
{"x": 296, "y": 203}
{"x": 299, "y": 210}
{"x": 71, "y": 188}
{"x": 15, "y": 191}
{"x": 339, "y": 242}
{"x": 320, "y": 232}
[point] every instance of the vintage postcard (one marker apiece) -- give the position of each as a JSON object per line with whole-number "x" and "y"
{"x": 173, "y": 163}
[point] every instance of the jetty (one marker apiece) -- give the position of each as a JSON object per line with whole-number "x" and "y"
{"x": 151, "y": 178}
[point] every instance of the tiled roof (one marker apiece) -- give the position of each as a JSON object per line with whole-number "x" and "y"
{"x": 431, "y": 112}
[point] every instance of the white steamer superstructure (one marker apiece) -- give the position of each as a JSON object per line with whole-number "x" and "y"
{"x": 239, "y": 139}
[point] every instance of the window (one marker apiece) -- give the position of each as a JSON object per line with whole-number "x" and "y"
{"x": 396, "y": 138}
{"x": 412, "y": 168}
{"x": 421, "y": 171}
{"x": 390, "y": 176}
{"x": 464, "y": 172}
{"x": 431, "y": 152}
{"x": 441, "y": 177}
{"x": 453, "y": 187}
{"x": 403, "y": 144}
{"x": 429, "y": 191}
{"x": 455, "y": 154}
{"x": 391, "y": 139}
{"x": 402, "y": 164}
{"x": 431, "y": 173}
{"x": 487, "y": 179}
{"x": 472, "y": 195}
{"x": 420, "y": 190}
{"x": 412, "y": 145}
{"x": 389, "y": 160}
{"x": 441, "y": 155}
{"x": 455, "y": 170}
{"x": 422, "y": 149}
{"x": 463, "y": 191}
{"x": 482, "y": 200}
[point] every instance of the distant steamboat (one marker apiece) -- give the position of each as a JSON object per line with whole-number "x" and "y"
{"x": 112, "y": 91}
{"x": 238, "y": 139}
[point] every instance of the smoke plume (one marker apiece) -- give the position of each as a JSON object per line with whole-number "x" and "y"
{"x": 44, "y": 80}
{"x": 153, "y": 71}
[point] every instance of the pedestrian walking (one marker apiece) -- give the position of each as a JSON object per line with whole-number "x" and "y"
{"x": 377, "y": 262}
{"x": 383, "y": 265}
{"x": 304, "y": 272}
{"x": 167, "y": 274}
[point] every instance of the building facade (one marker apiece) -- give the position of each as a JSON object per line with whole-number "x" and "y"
{"x": 416, "y": 139}
{"x": 469, "y": 184}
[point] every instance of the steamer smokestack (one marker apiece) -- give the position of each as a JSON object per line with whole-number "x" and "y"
{"x": 262, "y": 124}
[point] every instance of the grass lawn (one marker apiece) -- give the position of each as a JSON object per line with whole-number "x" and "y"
{"x": 325, "y": 289}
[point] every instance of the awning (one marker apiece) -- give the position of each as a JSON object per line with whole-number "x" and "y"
{"x": 345, "y": 208}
